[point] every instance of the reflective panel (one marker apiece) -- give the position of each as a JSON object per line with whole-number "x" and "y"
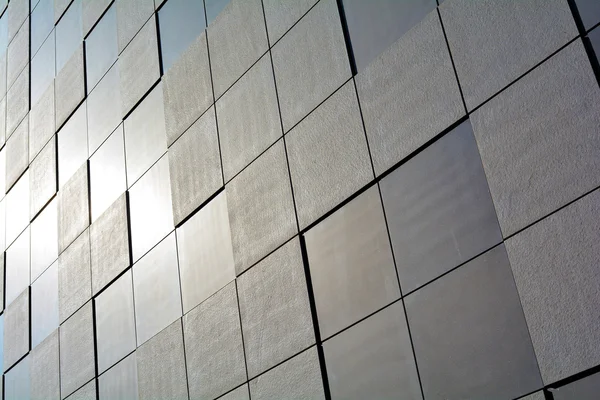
{"x": 42, "y": 69}
{"x": 156, "y": 289}
{"x": 72, "y": 145}
{"x": 41, "y": 121}
{"x": 42, "y": 22}
{"x": 18, "y": 57}
{"x": 44, "y": 240}
{"x": 17, "y": 267}
{"x": 104, "y": 109}
{"x": 44, "y": 305}
{"x": 101, "y": 47}
{"x": 73, "y": 208}
{"x": 17, "y": 157}
{"x": 16, "y": 329}
{"x": 70, "y": 87}
{"x": 92, "y": 11}
{"x": 120, "y": 382}
{"x": 69, "y": 34}
{"x": 45, "y": 374}
{"x": 17, "y": 382}
{"x": 214, "y": 8}
{"x": 44, "y": 182}
{"x": 17, "y": 208}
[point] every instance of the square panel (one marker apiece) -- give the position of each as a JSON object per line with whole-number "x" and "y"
{"x": 108, "y": 179}
{"x": 17, "y": 208}
{"x": 74, "y": 277}
{"x": 195, "y": 166}
{"x": 72, "y": 145}
{"x": 42, "y": 68}
{"x": 455, "y": 361}
{"x": 145, "y": 138}
{"x": 328, "y": 156}
{"x": 261, "y": 209}
{"x": 236, "y": 38}
{"x": 439, "y": 209}
{"x": 17, "y": 273}
{"x": 18, "y": 54}
{"x": 555, "y": 264}
{"x": 44, "y": 239}
{"x": 280, "y": 16}
{"x": 73, "y": 208}
{"x": 213, "y": 345}
{"x": 115, "y": 324}
{"x": 101, "y": 45}
{"x": 17, "y": 102}
{"x": 373, "y": 359}
{"x": 150, "y": 210}
{"x": 43, "y": 180}
{"x": 161, "y": 365}
{"x": 313, "y": 47}
{"x": 298, "y": 378}
{"x": 187, "y": 89}
{"x": 42, "y": 23}
{"x": 412, "y": 77}
{"x": 45, "y": 374}
{"x": 44, "y": 305}
{"x": 69, "y": 34}
{"x": 351, "y": 264}
{"x": 274, "y": 304}
{"x": 16, "y": 330}
{"x": 104, "y": 109}
{"x": 248, "y": 117}
{"x": 138, "y": 64}
{"x": 17, "y": 154}
{"x": 156, "y": 287}
{"x": 77, "y": 360}
{"x": 120, "y": 382}
{"x": 69, "y": 87}
{"x": 131, "y": 16}
{"x": 205, "y": 253}
{"x": 41, "y": 121}
{"x": 548, "y": 122}
{"x": 180, "y": 22}
{"x": 493, "y": 43}
{"x": 17, "y": 382}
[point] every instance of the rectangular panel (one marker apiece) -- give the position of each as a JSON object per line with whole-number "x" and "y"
{"x": 101, "y": 46}
{"x": 44, "y": 305}
{"x": 44, "y": 240}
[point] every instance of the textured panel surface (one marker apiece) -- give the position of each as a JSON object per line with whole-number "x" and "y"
{"x": 17, "y": 208}
{"x": 248, "y": 117}
{"x": 351, "y": 264}
{"x": 88, "y": 392}
{"x": 213, "y": 344}
{"x": 17, "y": 102}
{"x": 552, "y": 262}
{"x": 120, "y": 382}
{"x": 17, "y": 55}
{"x": 104, "y": 109}
{"x": 314, "y": 47}
{"x": 16, "y": 330}
{"x": 261, "y": 210}
{"x": 73, "y": 208}
{"x": 74, "y": 276}
{"x": 18, "y": 11}
{"x": 281, "y": 15}
{"x": 274, "y": 307}
{"x": 69, "y": 87}
{"x": 205, "y": 253}
{"x": 131, "y": 16}
{"x": 17, "y": 383}
{"x": 43, "y": 66}
{"x": 101, "y": 45}
{"x": 41, "y": 121}
{"x": 373, "y": 359}
{"x": 195, "y": 166}
{"x": 42, "y": 22}
{"x": 589, "y": 11}
{"x": 494, "y": 360}
{"x": 187, "y": 89}
{"x": 17, "y": 267}
{"x": 44, "y": 305}
{"x": 584, "y": 389}
{"x": 42, "y": 178}
{"x": 17, "y": 154}
{"x": 92, "y": 10}
{"x": 534, "y": 396}
{"x": 45, "y": 377}
{"x": 414, "y": 77}
{"x": 69, "y": 34}
{"x": 241, "y": 393}
{"x": 72, "y": 145}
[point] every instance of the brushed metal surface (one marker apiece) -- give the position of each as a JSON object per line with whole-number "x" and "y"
{"x": 43, "y": 180}
{"x": 120, "y": 382}
{"x": 41, "y": 121}
{"x": 69, "y": 86}
{"x": 74, "y": 276}
{"x": 16, "y": 330}
{"x": 17, "y": 154}
{"x": 17, "y": 102}
{"x": 45, "y": 374}
{"x": 73, "y": 207}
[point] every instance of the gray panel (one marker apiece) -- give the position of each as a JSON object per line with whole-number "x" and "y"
{"x": 2, "y": 340}
{"x": 44, "y": 240}
{"x": 414, "y": 77}
{"x": 351, "y": 264}
{"x": 69, "y": 34}
{"x": 156, "y": 290}
{"x": 583, "y": 389}
{"x": 108, "y": 180}
{"x": 145, "y": 138}
{"x": 589, "y": 11}
{"x": 187, "y": 89}
{"x": 555, "y": 264}
{"x": 72, "y": 145}
{"x": 328, "y": 156}
{"x": 109, "y": 238}
{"x": 2, "y": 117}
{"x": 2, "y": 284}
{"x": 138, "y": 64}
{"x": 60, "y": 6}
{"x": 2, "y": 67}
{"x": 88, "y": 392}
{"x": 281, "y": 15}
{"x": 74, "y": 276}
{"x": 73, "y": 208}
{"x": 91, "y": 13}
{"x": 42, "y": 178}
{"x": 495, "y": 42}
{"x": 17, "y": 154}
{"x": 180, "y": 22}
{"x": 213, "y": 345}
{"x": 241, "y": 393}
{"x": 261, "y": 210}
{"x": 115, "y": 324}
{"x": 195, "y": 166}
{"x": 17, "y": 382}
{"x": 534, "y": 396}
{"x": 373, "y": 359}
{"x": 131, "y": 16}
{"x": 104, "y": 109}
{"x": 274, "y": 307}
{"x": 150, "y": 210}
{"x": 439, "y": 209}
{"x": 18, "y": 54}
{"x": 101, "y": 45}
{"x": 42, "y": 69}
{"x": 44, "y": 305}
{"x": 77, "y": 365}
{"x": 69, "y": 87}
{"x": 17, "y": 208}
{"x": 42, "y": 22}
{"x": 17, "y": 102}
{"x": 205, "y": 253}
{"x": 45, "y": 376}
{"x": 237, "y": 38}
{"x": 298, "y": 378}
{"x": 374, "y": 26}
{"x": 41, "y": 121}
{"x": 548, "y": 122}
{"x": 17, "y": 14}
{"x": 314, "y": 47}
{"x": 594, "y": 37}
{"x": 17, "y": 267}
{"x": 120, "y": 382}
{"x": 161, "y": 365}
{"x": 212, "y": 7}
{"x": 496, "y": 358}
{"x": 248, "y": 117}
{"x": 16, "y": 330}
